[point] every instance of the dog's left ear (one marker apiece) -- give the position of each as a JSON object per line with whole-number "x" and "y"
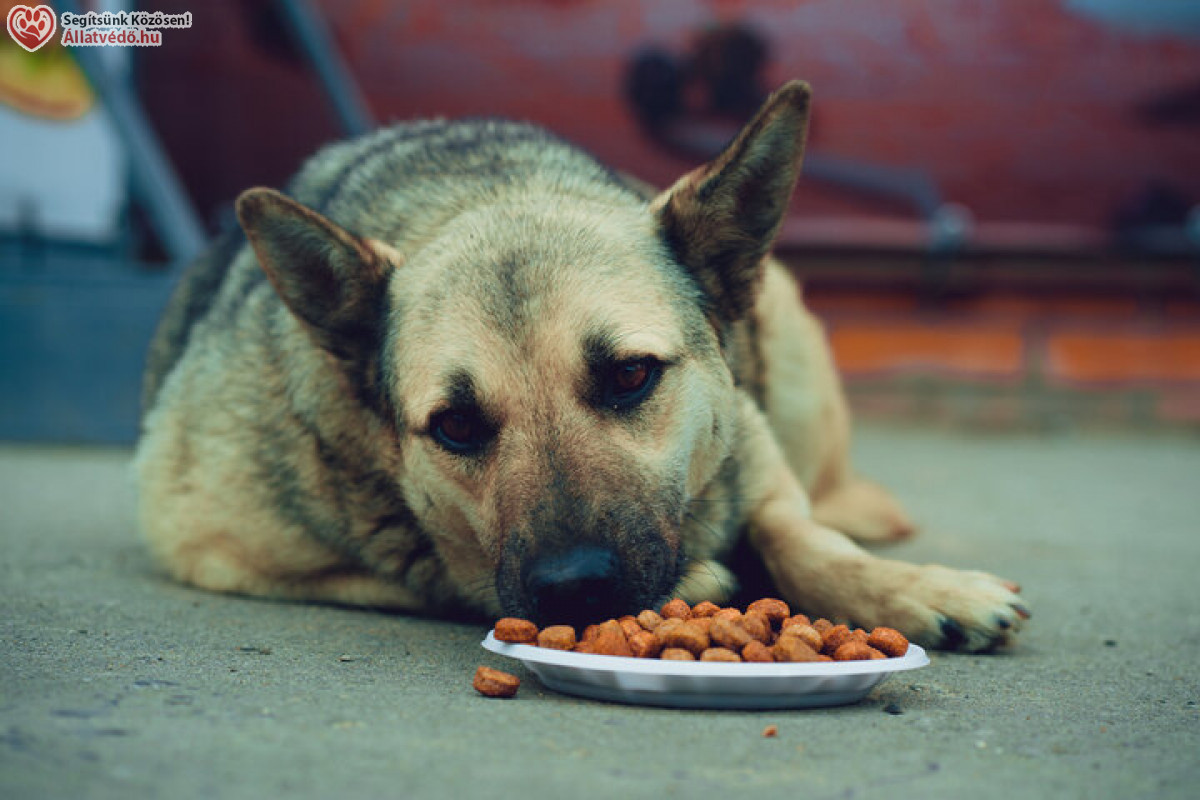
{"x": 721, "y": 219}
{"x": 330, "y": 279}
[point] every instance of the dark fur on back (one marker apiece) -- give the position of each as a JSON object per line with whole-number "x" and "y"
{"x": 193, "y": 297}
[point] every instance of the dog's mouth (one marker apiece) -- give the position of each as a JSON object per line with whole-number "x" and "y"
{"x": 586, "y": 582}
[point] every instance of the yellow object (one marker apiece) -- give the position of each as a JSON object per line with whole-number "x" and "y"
{"x": 46, "y": 84}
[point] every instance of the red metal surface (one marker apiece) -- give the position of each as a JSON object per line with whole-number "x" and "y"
{"x": 1023, "y": 111}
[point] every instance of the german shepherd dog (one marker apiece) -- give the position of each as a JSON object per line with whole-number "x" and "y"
{"x": 463, "y": 367}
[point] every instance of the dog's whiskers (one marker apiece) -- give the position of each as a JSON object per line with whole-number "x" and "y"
{"x": 480, "y": 585}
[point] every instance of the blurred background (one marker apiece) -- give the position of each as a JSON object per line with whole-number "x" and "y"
{"x": 999, "y": 220}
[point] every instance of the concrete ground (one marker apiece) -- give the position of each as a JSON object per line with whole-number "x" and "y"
{"x": 117, "y": 683}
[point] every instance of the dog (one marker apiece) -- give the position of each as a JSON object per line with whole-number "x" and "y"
{"x": 463, "y": 368}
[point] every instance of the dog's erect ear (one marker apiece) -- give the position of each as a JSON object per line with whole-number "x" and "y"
{"x": 720, "y": 220}
{"x": 332, "y": 280}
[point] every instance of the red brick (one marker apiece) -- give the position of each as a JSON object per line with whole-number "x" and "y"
{"x": 1183, "y": 308}
{"x": 991, "y": 351}
{"x": 1123, "y": 356}
{"x": 833, "y": 304}
{"x": 1026, "y": 306}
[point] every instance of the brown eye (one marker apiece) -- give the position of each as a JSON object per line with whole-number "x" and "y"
{"x": 460, "y": 431}
{"x": 458, "y": 427}
{"x": 631, "y": 376}
{"x": 629, "y": 383}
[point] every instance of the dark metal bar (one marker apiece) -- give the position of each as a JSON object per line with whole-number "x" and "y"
{"x": 909, "y": 185}
{"x": 340, "y": 87}
{"x": 154, "y": 180}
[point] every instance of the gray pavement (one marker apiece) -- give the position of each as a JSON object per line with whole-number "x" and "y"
{"x": 116, "y": 683}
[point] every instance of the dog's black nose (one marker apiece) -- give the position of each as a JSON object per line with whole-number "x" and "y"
{"x": 576, "y": 587}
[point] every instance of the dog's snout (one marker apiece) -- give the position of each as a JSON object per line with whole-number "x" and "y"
{"x": 575, "y": 587}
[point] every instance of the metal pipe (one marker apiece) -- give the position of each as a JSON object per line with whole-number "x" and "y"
{"x": 154, "y": 180}
{"x": 343, "y": 92}
{"x": 912, "y": 186}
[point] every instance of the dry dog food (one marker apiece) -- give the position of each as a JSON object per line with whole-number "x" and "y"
{"x": 676, "y": 654}
{"x": 719, "y": 654}
{"x": 856, "y": 651}
{"x": 676, "y": 609}
{"x": 793, "y": 648}
{"x": 757, "y": 651}
{"x": 645, "y": 644}
{"x": 494, "y": 683}
{"x": 766, "y": 632}
{"x": 557, "y": 637}
{"x": 889, "y": 642}
{"x": 516, "y": 631}
{"x": 610, "y": 640}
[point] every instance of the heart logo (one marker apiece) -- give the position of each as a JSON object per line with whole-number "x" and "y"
{"x": 31, "y": 27}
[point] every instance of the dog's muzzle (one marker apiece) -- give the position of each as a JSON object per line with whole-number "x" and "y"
{"x": 573, "y": 574}
{"x": 579, "y": 586}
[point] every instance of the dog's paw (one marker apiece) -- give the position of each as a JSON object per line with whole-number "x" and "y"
{"x": 706, "y": 580}
{"x": 952, "y": 609}
{"x": 864, "y": 511}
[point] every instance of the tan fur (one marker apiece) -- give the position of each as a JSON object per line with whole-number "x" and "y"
{"x": 288, "y": 448}
{"x": 813, "y": 426}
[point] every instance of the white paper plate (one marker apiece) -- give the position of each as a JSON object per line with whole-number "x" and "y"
{"x": 706, "y": 684}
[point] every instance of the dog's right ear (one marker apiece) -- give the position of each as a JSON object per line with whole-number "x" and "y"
{"x": 330, "y": 279}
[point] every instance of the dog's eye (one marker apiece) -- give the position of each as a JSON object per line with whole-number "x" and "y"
{"x": 630, "y": 382}
{"x": 631, "y": 376}
{"x": 460, "y": 430}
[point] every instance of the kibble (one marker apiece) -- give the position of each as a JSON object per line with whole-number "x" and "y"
{"x": 557, "y": 637}
{"x": 683, "y": 634}
{"x": 719, "y": 654}
{"x": 494, "y": 683}
{"x": 610, "y": 640}
{"x": 806, "y": 634}
{"x": 758, "y": 652}
{"x": 856, "y": 651}
{"x": 516, "y": 631}
{"x": 676, "y": 609}
{"x": 630, "y": 625}
{"x": 645, "y": 645}
{"x": 834, "y": 638}
{"x": 766, "y": 632}
{"x": 729, "y": 633}
{"x": 888, "y": 641}
{"x": 793, "y": 649}
{"x": 757, "y": 625}
{"x": 649, "y": 620}
{"x": 676, "y": 654}
{"x": 776, "y": 611}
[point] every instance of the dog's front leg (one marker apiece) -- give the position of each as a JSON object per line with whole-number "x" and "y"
{"x": 821, "y": 572}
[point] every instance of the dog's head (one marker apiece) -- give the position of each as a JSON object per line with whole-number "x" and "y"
{"x": 553, "y": 369}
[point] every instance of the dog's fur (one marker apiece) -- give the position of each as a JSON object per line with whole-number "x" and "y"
{"x": 293, "y": 388}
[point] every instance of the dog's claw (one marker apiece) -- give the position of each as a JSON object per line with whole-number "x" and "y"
{"x": 1012, "y": 586}
{"x": 952, "y": 634}
{"x": 952, "y": 609}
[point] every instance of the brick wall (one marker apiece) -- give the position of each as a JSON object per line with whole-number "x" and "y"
{"x": 1002, "y": 359}
{"x": 1020, "y": 110}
